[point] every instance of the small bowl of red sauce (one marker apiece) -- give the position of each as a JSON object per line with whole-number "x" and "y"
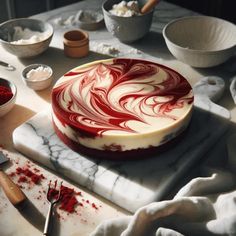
{"x": 8, "y": 93}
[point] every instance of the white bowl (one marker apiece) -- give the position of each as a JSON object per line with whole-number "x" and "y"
{"x": 38, "y": 84}
{"x": 201, "y": 41}
{"x": 6, "y": 107}
{"x": 126, "y": 29}
{"x": 7, "y": 30}
{"x": 90, "y": 20}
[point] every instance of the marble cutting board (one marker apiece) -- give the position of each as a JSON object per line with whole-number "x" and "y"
{"x": 129, "y": 184}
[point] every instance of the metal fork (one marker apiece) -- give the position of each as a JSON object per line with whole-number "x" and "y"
{"x": 52, "y": 201}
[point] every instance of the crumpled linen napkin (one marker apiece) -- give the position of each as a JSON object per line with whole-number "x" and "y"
{"x": 205, "y": 206}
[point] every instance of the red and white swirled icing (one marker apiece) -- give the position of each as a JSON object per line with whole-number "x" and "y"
{"x": 120, "y": 98}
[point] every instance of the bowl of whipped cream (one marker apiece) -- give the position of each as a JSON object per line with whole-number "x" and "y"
{"x": 125, "y": 21}
{"x": 25, "y": 37}
{"x": 37, "y": 76}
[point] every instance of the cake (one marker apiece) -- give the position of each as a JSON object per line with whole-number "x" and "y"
{"x": 121, "y": 107}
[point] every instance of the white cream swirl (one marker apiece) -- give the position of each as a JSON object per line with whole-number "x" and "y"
{"x": 121, "y": 96}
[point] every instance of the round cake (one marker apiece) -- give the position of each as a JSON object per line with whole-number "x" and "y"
{"x": 120, "y": 107}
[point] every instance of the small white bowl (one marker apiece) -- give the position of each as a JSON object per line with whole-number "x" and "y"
{"x": 201, "y": 41}
{"x": 38, "y": 84}
{"x": 6, "y": 107}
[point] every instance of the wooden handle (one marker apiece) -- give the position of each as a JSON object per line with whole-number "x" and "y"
{"x": 148, "y": 6}
{"x": 12, "y": 191}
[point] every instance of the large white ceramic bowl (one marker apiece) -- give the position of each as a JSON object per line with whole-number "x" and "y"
{"x": 201, "y": 41}
{"x": 7, "y": 30}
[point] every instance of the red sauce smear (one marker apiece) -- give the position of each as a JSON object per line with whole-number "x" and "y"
{"x": 5, "y": 94}
{"x": 68, "y": 201}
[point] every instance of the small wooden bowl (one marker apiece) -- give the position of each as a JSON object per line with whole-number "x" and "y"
{"x": 76, "y": 43}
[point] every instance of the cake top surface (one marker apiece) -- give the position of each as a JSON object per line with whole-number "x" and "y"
{"x": 121, "y": 96}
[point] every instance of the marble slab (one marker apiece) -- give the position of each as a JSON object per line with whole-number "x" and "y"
{"x": 129, "y": 184}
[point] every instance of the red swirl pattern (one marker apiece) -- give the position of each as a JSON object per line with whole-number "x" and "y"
{"x": 105, "y": 96}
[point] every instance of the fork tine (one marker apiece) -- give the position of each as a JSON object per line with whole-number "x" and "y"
{"x": 54, "y": 192}
{"x": 59, "y": 191}
{"x": 48, "y": 192}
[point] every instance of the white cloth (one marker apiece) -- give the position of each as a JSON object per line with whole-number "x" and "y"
{"x": 205, "y": 206}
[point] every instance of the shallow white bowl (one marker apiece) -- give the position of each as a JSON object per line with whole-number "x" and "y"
{"x": 95, "y": 21}
{"x": 37, "y": 84}
{"x": 201, "y": 41}
{"x": 25, "y": 50}
{"x": 6, "y": 107}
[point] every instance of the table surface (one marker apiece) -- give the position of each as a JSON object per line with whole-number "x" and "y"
{"x": 30, "y": 221}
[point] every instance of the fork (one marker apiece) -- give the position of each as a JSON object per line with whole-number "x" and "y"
{"x": 52, "y": 201}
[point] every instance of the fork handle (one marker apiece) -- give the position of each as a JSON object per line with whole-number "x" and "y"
{"x": 12, "y": 190}
{"x": 48, "y": 220}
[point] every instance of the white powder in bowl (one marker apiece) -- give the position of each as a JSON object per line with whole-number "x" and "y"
{"x": 27, "y": 36}
{"x": 39, "y": 73}
{"x": 125, "y": 9}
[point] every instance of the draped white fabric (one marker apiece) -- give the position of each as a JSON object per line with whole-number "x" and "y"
{"x": 204, "y": 206}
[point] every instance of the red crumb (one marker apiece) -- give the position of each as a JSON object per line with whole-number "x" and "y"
{"x": 12, "y": 174}
{"x": 69, "y": 205}
{"x": 83, "y": 221}
{"x": 94, "y": 206}
{"x": 68, "y": 201}
{"x": 36, "y": 170}
{"x": 35, "y": 178}
{"x": 22, "y": 179}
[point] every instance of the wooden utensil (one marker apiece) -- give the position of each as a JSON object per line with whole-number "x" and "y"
{"x": 12, "y": 191}
{"x": 150, "y": 4}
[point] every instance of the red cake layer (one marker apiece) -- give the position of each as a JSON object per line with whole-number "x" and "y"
{"x": 119, "y": 155}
